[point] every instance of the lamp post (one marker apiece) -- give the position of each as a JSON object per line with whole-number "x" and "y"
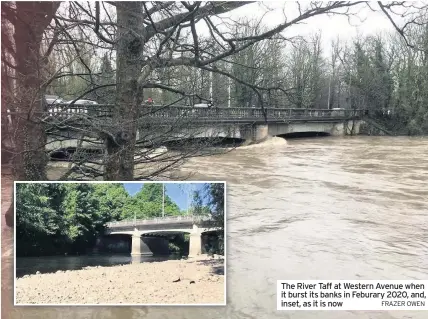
{"x": 211, "y": 86}
{"x": 188, "y": 200}
{"x": 228, "y": 92}
{"x": 329, "y": 92}
{"x": 163, "y": 200}
{"x": 135, "y": 218}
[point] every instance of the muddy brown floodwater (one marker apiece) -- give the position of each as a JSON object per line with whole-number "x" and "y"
{"x": 325, "y": 208}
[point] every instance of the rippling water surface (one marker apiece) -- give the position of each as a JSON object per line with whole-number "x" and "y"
{"x": 326, "y": 208}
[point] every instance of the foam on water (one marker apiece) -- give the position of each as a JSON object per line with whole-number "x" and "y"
{"x": 270, "y": 142}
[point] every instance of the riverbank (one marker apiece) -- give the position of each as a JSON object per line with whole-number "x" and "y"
{"x": 198, "y": 280}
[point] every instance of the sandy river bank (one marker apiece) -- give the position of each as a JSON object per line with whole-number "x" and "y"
{"x": 194, "y": 281}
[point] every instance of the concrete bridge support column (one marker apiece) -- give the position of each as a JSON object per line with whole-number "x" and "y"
{"x": 195, "y": 245}
{"x": 338, "y": 129}
{"x": 254, "y": 133}
{"x": 139, "y": 247}
{"x": 195, "y": 242}
{"x": 261, "y": 133}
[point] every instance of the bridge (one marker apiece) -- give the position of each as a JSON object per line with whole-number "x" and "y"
{"x": 147, "y": 234}
{"x": 203, "y": 114}
{"x": 249, "y": 124}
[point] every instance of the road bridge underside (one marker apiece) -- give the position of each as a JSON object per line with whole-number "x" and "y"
{"x": 254, "y": 133}
{"x": 155, "y": 242}
{"x": 322, "y": 128}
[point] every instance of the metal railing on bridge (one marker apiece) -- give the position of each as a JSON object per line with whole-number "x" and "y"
{"x": 63, "y": 111}
{"x": 159, "y": 220}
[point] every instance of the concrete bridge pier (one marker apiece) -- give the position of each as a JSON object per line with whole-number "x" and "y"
{"x": 254, "y": 133}
{"x": 195, "y": 242}
{"x": 139, "y": 247}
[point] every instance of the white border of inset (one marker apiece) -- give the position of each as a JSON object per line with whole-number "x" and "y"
{"x": 120, "y": 182}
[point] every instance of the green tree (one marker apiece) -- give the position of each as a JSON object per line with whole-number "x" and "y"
{"x": 198, "y": 206}
{"x": 36, "y": 210}
{"x": 39, "y": 220}
{"x": 209, "y": 200}
{"x": 213, "y": 195}
{"x": 216, "y": 202}
{"x": 147, "y": 203}
{"x": 58, "y": 218}
{"x": 81, "y": 212}
{"x": 383, "y": 83}
{"x": 410, "y": 72}
{"x": 114, "y": 200}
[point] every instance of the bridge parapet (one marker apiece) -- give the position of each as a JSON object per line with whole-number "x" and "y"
{"x": 63, "y": 111}
{"x": 160, "y": 220}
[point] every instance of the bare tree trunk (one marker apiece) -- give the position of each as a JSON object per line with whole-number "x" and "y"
{"x": 31, "y": 160}
{"x": 29, "y": 133}
{"x": 129, "y": 92}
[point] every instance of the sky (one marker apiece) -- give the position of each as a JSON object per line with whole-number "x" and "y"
{"x": 332, "y": 27}
{"x": 364, "y": 22}
{"x": 176, "y": 191}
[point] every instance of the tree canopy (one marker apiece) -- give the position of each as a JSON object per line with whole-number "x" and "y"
{"x": 57, "y": 218}
{"x": 147, "y": 203}
{"x": 210, "y": 200}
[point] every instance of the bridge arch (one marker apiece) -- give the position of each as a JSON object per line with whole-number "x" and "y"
{"x": 156, "y": 242}
{"x": 116, "y": 243}
{"x": 307, "y": 129}
{"x": 71, "y": 152}
{"x": 304, "y": 134}
{"x": 212, "y": 242}
{"x": 182, "y": 241}
{"x": 62, "y": 154}
{"x": 142, "y": 243}
{"x": 214, "y": 141}
{"x": 176, "y": 240}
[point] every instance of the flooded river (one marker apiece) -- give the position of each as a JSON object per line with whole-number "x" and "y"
{"x": 324, "y": 208}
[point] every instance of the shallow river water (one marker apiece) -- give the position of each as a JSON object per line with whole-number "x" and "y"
{"x": 323, "y": 208}
{"x": 50, "y": 264}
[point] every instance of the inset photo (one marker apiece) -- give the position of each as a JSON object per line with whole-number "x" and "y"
{"x": 120, "y": 243}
